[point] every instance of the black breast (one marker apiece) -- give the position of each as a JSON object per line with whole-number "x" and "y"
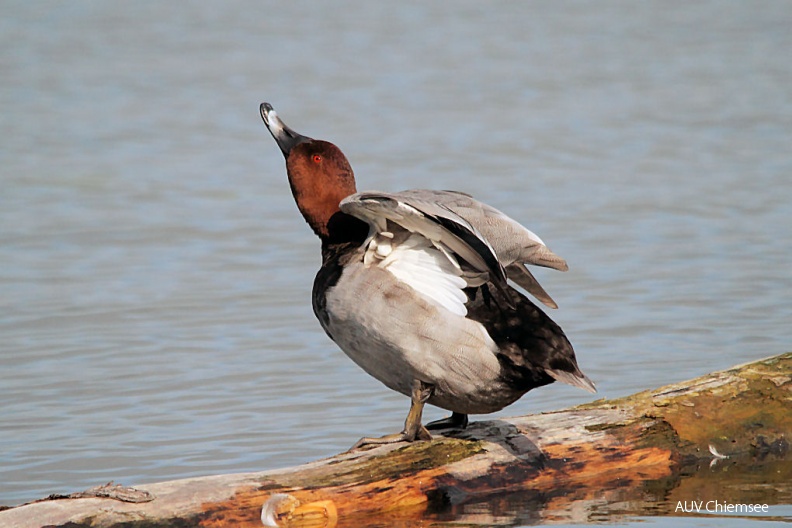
{"x": 346, "y": 235}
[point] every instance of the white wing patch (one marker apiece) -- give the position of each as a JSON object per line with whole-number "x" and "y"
{"x": 432, "y": 273}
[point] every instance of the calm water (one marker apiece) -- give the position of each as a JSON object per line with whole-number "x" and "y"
{"x": 155, "y": 276}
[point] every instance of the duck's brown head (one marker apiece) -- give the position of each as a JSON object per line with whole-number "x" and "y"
{"x": 319, "y": 174}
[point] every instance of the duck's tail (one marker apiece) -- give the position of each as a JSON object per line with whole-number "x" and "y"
{"x": 576, "y": 379}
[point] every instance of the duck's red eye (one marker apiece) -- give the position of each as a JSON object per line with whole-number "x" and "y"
{"x": 317, "y": 158}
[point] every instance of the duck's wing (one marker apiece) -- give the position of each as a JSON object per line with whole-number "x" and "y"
{"x": 522, "y": 276}
{"x": 515, "y": 245}
{"x": 447, "y": 231}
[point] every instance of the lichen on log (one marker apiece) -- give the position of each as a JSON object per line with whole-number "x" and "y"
{"x": 648, "y": 448}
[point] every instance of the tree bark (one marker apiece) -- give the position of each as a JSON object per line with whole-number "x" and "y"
{"x": 637, "y": 455}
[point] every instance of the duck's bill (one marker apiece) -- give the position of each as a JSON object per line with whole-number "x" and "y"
{"x": 285, "y": 137}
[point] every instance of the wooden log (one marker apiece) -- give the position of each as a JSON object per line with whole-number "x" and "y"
{"x": 640, "y": 454}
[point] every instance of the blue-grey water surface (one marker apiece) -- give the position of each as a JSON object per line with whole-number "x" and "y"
{"x": 155, "y": 275}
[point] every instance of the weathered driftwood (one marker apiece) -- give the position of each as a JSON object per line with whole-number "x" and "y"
{"x": 631, "y": 454}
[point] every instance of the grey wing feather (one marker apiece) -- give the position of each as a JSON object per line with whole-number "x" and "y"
{"x": 437, "y": 223}
{"x": 514, "y": 245}
{"x": 519, "y": 274}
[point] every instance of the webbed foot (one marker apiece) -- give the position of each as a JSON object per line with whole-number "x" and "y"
{"x": 404, "y": 436}
{"x": 455, "y": 421}
{"x": 413, "y": 430}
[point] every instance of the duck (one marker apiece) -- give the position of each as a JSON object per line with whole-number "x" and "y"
{"x": 417, "y": 288}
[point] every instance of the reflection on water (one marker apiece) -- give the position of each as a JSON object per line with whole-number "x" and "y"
{"x": 155, "y": 276}
{"x": 750, "y": 482}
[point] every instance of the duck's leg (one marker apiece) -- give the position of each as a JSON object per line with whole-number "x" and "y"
{"x": 413, "y": 429}
{"x": 455, "y": 421}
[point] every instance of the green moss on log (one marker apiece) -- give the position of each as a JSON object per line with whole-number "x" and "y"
{"x": 399, "y": 463}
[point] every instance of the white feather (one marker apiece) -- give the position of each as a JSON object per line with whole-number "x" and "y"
{"x": 428, "y": 271}
{"x": 377, "y": 208}
{"x": 715, "y": 452}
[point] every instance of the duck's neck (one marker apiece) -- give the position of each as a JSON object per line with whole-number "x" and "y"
{"x": 331, "y": 225}
{"x": 318, "y": 204}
